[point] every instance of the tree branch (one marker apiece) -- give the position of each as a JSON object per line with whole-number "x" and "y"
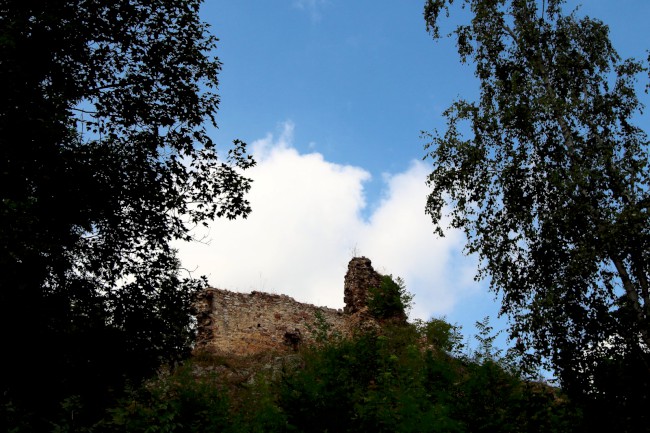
{"x": 543, "y": 73}
{"x": 632, "y": 296}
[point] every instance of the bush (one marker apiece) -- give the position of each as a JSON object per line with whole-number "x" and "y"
{"x": 390, "y": 299}
{"x": 180, "y": 402}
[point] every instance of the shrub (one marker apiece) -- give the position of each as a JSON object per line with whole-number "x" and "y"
{"x": 390, "y": 299}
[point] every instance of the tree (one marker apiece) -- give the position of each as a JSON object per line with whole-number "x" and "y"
{"x": 105, "y": 159}
{"x": 548, "y": 177}
{"x": 390, "y": 301}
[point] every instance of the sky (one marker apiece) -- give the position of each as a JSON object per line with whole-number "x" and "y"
{"x": 332, "y": 97}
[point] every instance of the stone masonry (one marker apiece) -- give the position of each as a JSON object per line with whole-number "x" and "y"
{"x": 359, "y": 278}
{"x": 232, "y": 323}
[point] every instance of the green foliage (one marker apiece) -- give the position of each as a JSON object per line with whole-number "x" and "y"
{"x": 390, "y": 382}
{"x": 390, "y": 299}
{"x": 486, "y": 351}
{"x": 441, "y": 334}
{"x": 177, "y": 403}
{"x": 549, "y": 178}
{"x": 321, "y": 330}
{"x": 382, "y": 382}
{"x": 190, "y": 400}
{"x": 104, "y": 160}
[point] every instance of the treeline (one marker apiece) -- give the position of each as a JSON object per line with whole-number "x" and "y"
{"x": 400, "y": 379}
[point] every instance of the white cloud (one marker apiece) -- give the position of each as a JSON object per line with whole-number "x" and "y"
{"x": 312, "y": 6}
{"x": 306, "y": 224}
{"x": 399, "y": 237}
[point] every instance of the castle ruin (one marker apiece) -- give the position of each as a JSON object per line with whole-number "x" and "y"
{"x": 233, "y": 323}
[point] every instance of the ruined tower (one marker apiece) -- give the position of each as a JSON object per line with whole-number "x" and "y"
{"x": 359, "y": 278}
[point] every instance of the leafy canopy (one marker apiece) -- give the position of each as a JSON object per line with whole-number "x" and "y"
{"x": 104, "y": 159}
{"x": 548, "y": 177}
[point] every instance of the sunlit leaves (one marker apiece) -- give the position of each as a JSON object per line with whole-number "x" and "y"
{"x": 547, "y": 175}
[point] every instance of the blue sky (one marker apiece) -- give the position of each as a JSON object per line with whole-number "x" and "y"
{"x": 359, "y": 79}
{"x": 332, "y": 95}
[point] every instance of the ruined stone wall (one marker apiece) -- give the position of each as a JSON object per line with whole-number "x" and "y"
{"x": 249, "y": 323}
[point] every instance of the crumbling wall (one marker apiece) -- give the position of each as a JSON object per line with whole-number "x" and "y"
{"x": 250, "y": 323}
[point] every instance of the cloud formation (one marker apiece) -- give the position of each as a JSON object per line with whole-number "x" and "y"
{"x": 307, "y": 223}
{"x": 312, "y": 6}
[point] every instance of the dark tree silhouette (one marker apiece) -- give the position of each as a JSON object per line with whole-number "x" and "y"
{"x": 104, "y": 159}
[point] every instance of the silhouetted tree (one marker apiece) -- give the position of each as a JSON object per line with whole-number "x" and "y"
{"x": 549, "y": 179}
{"x": 104, "y": 159}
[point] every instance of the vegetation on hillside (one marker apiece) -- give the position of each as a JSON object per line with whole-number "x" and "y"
{"x": 401, "y": 378}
